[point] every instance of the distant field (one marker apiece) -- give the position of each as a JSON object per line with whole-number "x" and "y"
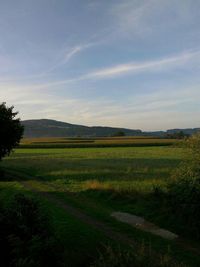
{"x": 95, "y": 142}
{"x": 81, "y": 168}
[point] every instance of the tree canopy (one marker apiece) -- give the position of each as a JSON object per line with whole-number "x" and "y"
{"x": 119, "y": 133}
{"x": 11, "y": 130}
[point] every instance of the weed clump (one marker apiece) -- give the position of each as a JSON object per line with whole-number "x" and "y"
{"x": 137, "y": 257}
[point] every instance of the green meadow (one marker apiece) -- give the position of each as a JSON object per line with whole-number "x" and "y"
{"x": 80, "y": 169}
{"x": 98, "y": 181}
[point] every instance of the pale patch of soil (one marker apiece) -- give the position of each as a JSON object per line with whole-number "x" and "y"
{"x": 141, "y": 223}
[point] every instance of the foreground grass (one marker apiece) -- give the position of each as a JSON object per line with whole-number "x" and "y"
{"x": 101, "y": 181}
{"x": 80, "y": 241}
{"x": 117, "y": 176}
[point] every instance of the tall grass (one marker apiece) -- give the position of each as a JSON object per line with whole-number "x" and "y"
{"x": 136, "y": 257}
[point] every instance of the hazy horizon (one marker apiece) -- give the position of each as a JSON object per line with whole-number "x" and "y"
{"x": 131, "y": 64}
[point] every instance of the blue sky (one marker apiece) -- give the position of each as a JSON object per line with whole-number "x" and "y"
{"x": 128, "y": 63}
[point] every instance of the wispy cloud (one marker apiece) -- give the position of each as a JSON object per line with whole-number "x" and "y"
{"x": 65, "y": 56}
{"x": 68, "y": 54}
{"x": 75, "y": 50}
{"x": 145, "y": 18}
{"x": 180, "y": 61}
{"x": 145, "y": 66}
{"x": 129, "y": 17}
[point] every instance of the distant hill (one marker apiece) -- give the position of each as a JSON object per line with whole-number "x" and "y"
{"x": 53, "y": 128}
{"x": 187, "y": 131}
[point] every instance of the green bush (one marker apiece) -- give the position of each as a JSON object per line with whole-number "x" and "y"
{"x": 184, "y": 188}
{"x": 25, "y": 235}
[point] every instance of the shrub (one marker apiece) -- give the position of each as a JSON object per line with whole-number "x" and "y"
{"x": 26, "y": 237}
{"x": 184, "y": 188}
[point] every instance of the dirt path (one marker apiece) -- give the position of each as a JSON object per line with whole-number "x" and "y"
{"x": 108, "y": 231}
{"x": 142, "y": 224}
{"x": 146, "y": 226}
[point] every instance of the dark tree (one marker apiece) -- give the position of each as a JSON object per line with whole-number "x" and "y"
{"x": 119, "y": 133}
{"x": 11, "y": 130}
{"x": 177, "y": 135}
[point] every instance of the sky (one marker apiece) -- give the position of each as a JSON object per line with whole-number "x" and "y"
{"x": 128, "y": 63}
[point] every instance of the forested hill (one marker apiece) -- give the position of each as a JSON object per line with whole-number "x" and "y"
{"x": 53, "y": 128}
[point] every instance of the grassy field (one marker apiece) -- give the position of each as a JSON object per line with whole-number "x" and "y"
{"x": 80, "y": 168}
{"x": 98, "y": 181}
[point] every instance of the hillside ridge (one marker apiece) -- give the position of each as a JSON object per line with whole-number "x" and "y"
{"x": 54, "y": 128}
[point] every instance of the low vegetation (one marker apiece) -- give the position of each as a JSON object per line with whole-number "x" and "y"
{"x": 137, "y": 257}
{"x": 184, "y": 189}
{"x": 26, "y": 237}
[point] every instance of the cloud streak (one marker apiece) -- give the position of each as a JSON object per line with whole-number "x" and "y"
{"x": 68, "y": 54}
{"x": 182, "y": 61}
{"x": 154, "y": 65}
{"x": 75, "y": 50}
{"x": 148, "y": 18}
